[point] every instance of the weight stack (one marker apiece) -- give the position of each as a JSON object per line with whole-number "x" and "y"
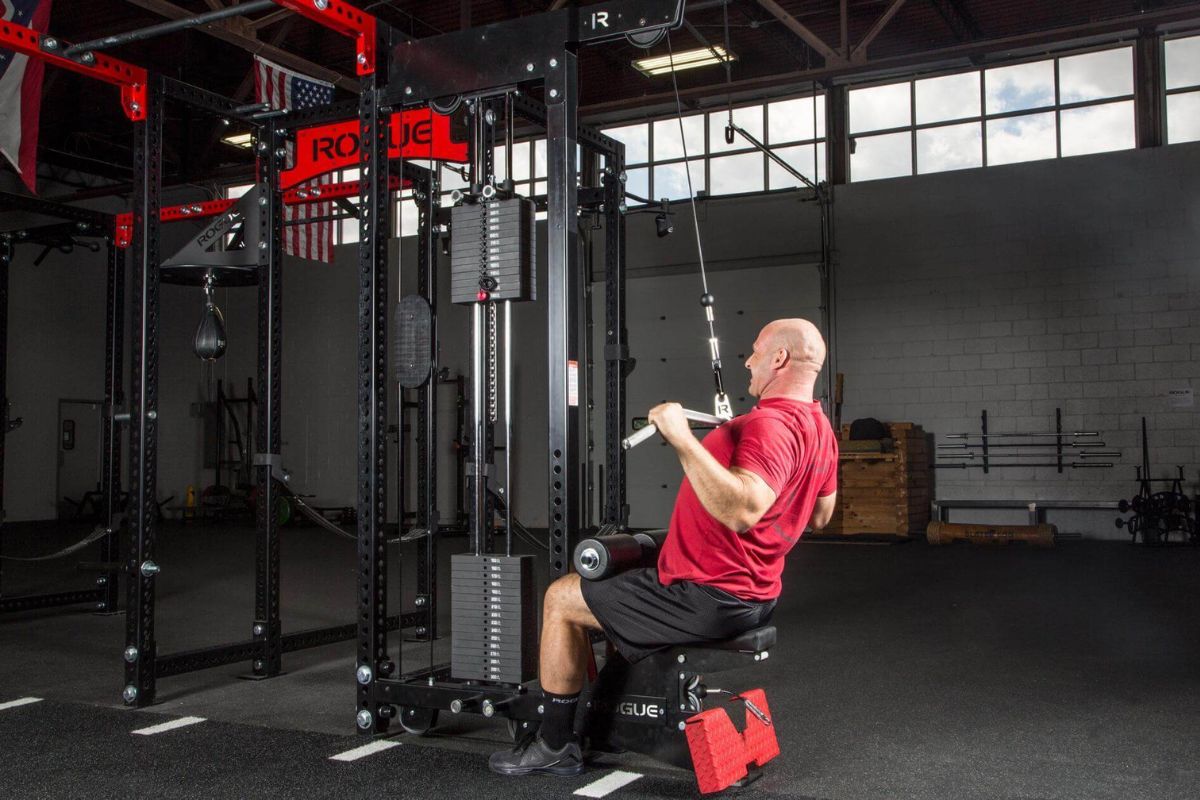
{"x": 494, "y": 622}
{"x": 493, "y": 239}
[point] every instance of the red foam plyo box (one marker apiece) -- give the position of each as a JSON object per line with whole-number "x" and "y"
{"x": 761, "y": 743}
{"x": 718, "y": 751}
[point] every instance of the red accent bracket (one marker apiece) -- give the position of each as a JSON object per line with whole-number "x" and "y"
{"x": 347, "y": 20}
{"x": 123, "y": 232}
{"x": 131, "y": 79}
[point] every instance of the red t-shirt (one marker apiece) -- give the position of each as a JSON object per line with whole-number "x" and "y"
{"x": 791, "y": 446}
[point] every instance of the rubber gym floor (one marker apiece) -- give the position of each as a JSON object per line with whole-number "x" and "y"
{"x": 901, "y": 671}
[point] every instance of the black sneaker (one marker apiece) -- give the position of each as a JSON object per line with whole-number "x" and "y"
{"x": 536, "y": 756}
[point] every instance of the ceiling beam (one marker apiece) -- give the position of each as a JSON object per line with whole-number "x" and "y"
{"x": 859, "y": 52}
{"x": 250, "y": 43}
{"x": 959, "y": 19}
{"x": 256, "y": 25}
{"x": 830, "y": 55}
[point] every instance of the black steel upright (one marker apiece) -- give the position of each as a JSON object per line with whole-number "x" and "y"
{"x": 114, "y": 398}
{"x": 616, "y": 341}
{"x": 143, "y": 428}
{"x": 6, "y": 258}
{"x": 372, "y": 401}
{"x": 267, "y": 628}
{"x": 427, "y": 194}
{"x": 562, "y": 234}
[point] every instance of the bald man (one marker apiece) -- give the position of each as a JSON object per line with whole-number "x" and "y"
{"x": 750, "y": 490}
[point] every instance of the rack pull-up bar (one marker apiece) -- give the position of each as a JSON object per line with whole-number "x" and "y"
{"x": 161, "y": 29}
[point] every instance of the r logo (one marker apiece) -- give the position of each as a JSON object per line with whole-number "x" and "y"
{"x": 599, "y": 18}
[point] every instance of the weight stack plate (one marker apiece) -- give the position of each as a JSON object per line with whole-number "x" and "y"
{"x": 493, "y": 619}
{"x": 495, "y": 238}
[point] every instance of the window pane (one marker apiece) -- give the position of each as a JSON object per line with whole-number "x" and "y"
{"x": 501, "y": 160}
{"x": 350, "y": 174}
{"x": 671, "y": 180}
{"x": 351, "y": 232}
{"x": 234, "y": 192}
{"x": 950, "y": 147}
{"x": 1182, "y": 62}
{"x": 1019, "y": 87}
{"x": 749, "y": 118}
{"x": 1183, "y": 117}
{"x": 1097, "y": 129}
{"x": 880, "y": 107}
{"x": 539, "y": 188}
{"x": 451, "y": 180}
{"x": 539, "y": 158}
{"x": 520, "y": 161}
{"x": 637, "y": 142}
{"x": 735, "y": 174}
{"x": 1094, "y": 76}
{"x": 1027, "y": 138}
{"x": 637, "y": 181}
{"x": 793, "y": 120}
{"x": 667, "y": 144}
{"x": 887, "y": 156}
{"x": 948, "y": 97}
{"x": 800, "y": 158}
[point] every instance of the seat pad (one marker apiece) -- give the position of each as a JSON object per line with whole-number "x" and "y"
{"x": 754, "y": 640}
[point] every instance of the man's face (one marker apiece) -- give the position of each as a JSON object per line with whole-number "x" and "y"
{"x": 759, "y": 364}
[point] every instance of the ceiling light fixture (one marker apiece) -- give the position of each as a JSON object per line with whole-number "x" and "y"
{"x": 243, "y": 140}
{"x": 687, "y": 59}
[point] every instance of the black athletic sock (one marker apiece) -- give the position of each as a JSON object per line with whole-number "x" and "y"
{"x": 558, "y": 721}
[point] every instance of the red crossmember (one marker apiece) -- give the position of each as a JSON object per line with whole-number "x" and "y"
{"x": 347, "y": 20}
{"x": 720, "y": 755}
{"x": 123, "y": 235}
{"x": 131, "y": 79}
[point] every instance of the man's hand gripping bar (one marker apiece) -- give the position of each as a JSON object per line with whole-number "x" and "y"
{"x": 645, "y": 433}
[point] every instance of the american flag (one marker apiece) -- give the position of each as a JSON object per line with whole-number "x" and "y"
{"x": 280, "y": 87}
{"x": 21, "y": 91}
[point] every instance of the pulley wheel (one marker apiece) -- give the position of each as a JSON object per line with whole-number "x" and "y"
{"x": 418, "y": 721}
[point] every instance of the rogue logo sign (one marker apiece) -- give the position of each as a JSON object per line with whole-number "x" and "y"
{"x": 630, "y": 708}
{"x": 411, "y": 134}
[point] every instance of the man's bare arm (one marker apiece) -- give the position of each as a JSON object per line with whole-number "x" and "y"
{"x": 736, "y": 498}
{"x": 823, "y": 511}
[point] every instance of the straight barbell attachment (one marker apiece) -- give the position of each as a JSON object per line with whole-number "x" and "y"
{"x": 634, "y": 439}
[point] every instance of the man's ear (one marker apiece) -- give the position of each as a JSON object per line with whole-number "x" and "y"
{"x": 781, "y": 358}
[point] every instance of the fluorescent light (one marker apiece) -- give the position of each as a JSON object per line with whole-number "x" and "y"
{"x": 242, "y": 140}
{"x": 686, "y": 59}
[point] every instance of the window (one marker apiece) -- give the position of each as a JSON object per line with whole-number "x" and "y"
{"x": 660, "y": 159}
{"x": 1063, "y": 106}
{"x": 1181, "y": 59}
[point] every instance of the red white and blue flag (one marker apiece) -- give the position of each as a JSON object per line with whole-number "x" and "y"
{"x": 280, "y": 87}
{"x": 21, "y": 91}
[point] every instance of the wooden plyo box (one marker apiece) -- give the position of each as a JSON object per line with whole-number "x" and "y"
{"x": 884, "y": 493}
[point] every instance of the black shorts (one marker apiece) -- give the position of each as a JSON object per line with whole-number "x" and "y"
{"x": 640, "y": 616}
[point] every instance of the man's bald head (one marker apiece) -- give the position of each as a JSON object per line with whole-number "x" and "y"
{"x": 786, "y": 359}
{"x": 801, "y": 339}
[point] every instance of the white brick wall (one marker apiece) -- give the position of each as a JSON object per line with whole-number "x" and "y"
{"x": 1071, "y": 284}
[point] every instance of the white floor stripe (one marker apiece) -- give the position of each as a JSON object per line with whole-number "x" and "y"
{"x": 182, "y": 722}
{"x": 608, "y": 784}
{"x": 24, "y": 701}
{"x": 365, "y": 750}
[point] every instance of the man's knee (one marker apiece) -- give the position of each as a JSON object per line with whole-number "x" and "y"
{"x": 563, "y": 594}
